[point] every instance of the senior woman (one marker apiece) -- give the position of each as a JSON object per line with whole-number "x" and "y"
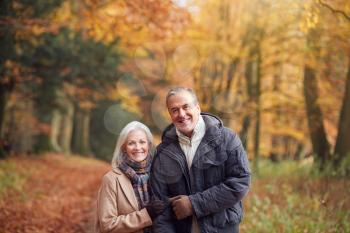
{"x": 124, "y": 199}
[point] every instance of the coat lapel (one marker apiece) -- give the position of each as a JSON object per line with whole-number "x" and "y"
{"x": 126, "y": 187}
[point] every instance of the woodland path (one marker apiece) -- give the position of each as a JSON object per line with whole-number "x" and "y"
{"x": 54, "y": 193}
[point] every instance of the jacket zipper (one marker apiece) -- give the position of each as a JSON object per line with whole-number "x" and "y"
{"x": 185, "y": 169}
{"x": 180, "y": 160}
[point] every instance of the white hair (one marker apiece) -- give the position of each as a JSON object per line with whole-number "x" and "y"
{"x": 132, "y": 126}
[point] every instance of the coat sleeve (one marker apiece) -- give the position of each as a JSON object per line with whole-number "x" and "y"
{"x": 232, "y": 189}
{"x": 164, "y": 223}
{"x": 109, "y": 220}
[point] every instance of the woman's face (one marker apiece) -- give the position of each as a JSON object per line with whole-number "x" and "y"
{"x": 136, "y": 145}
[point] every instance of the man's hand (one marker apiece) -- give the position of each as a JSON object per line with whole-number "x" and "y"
{"x": 182, "y": 206}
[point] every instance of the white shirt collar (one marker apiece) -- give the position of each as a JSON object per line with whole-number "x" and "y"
{"x": 198, "y": 132}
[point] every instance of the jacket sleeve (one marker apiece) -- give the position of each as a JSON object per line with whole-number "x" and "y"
{"x": 164, "y": 223}
{"x": 231, "y": 190}
{"x": 107, "y": 211}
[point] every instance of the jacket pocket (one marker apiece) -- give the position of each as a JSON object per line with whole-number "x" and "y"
{"x": 214, "y": 169}
{"x": 213, "y": 158}
{"x": 231, "y": 215}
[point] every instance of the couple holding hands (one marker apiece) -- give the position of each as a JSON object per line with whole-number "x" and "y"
{"x": 193, "y": 182}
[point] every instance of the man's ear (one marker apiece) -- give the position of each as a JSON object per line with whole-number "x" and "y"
{"x": 198, "y": 107}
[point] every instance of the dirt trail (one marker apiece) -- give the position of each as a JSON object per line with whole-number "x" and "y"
{"x": 58, "y": 195}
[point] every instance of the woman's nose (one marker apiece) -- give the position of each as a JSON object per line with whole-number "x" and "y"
{"x": 138, "y": 146}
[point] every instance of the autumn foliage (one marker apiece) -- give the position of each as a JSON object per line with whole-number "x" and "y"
{"x": 73, "y": 73}
{"x": 56, "y": 194}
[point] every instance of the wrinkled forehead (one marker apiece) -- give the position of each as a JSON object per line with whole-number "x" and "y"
{"x": 181, "y": 98}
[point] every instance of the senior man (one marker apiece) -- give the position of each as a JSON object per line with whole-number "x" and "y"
{"x": 201, "y": 167}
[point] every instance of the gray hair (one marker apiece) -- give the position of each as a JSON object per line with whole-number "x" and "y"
{"x": 177, "y": 90}
{"x": 134, "y": 125}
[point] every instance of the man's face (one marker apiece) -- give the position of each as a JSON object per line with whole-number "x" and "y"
{"x": 184, "y": 112}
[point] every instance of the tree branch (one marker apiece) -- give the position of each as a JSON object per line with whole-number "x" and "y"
{"x": 334, "y": 10}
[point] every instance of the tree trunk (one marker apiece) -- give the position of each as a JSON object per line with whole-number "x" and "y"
{"x": 248, "y": 74}
{"x": 298, "y": 151}
{"x": 55, "y": 130}
{"x": 6, "y": 53}
{"x": 43, "y": 138}
{"x": 342, "y": 147}
{"x": 231, "y": 72}
{"x": 80, "y": 140}
{"x": 45, "y": 104}
{"x": 244, "y": 131}
{"x": 86, "y": 133}
{"x": 65, "y": 136}
{"x": 3, "y": 101}
{"x": 257, "y": 110}
{"x": 319, "y": 141}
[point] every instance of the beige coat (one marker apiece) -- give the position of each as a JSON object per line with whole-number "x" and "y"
{"x": 117, "y": 207}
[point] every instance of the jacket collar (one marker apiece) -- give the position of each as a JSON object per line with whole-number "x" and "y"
{"x": 197, "y": 134}
{"x": 126, "y": 186}
{"x": 213, "y": 128}
{"x": 212, "y": 139}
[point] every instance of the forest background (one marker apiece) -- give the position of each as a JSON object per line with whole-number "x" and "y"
{"x": 73, "y": 73}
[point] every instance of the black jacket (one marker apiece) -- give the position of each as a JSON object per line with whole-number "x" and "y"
{"x": 216, "y": 183}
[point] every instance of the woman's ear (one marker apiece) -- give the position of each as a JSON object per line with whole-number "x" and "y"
{"x": 123, "y": 149}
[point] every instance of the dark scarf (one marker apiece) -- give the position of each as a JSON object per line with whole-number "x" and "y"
{"x": 138, "y": 173}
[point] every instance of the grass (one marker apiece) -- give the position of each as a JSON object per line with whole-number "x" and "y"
{"x": 268, "y": 169}
{"x": 10, "y": 178}
{"x": 285, "y": 198}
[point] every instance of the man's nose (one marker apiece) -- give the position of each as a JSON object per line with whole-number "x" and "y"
{"x": 181, "y": 112}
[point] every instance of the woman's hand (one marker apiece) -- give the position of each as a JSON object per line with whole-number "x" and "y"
{"x": 155, "y": 208}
